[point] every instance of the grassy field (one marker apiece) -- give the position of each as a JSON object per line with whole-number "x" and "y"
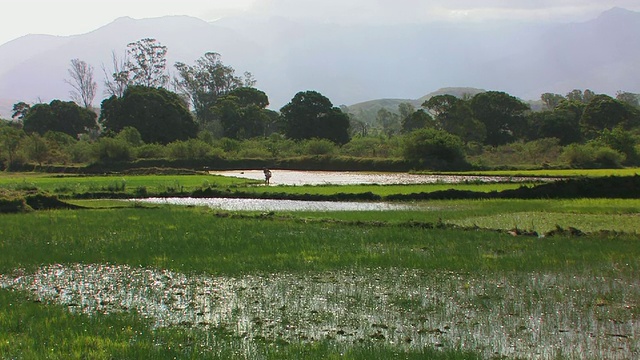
{"x": 121, "y": 280}
{"x": 70, "y": 184}
{"x": 200, "y": 284}
{"x": 588, "y": 215}
{"x": 556, "y": 172}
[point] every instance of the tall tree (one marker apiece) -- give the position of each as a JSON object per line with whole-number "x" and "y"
{"x": 405, "y": 109}
{"x": 158, "y": 114}
{"x": 20, "y": 110}
{"x": 605, "y": 112}
{"x": 581, "y": 96}
{"x": 206, "y": 81}
{"x": 551, "y": 100}
{"x": 147, "y": 63}
{"x": 388, "y": 121}
{"x": 561, "y": 123}
{"x": 454, "y": 116}
{"x": 628, "y": 98}
{"x": 84, "y": 87}
{"x": 118, "y": 78}
{"x": 242, "y": 113}
{"x": 312, "y": 115}
{"x": 501, "y": 114}
{"x": 419, "y": 119}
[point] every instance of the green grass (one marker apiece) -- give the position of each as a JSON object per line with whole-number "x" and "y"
{"x": 307, "y": 285}
{"x": 553, "y": 172}
{"x": 588, "y": 215}
{"x": 389, "y": 292}
{"x": 152, "y": 184}
{"x": 197, "y": 240}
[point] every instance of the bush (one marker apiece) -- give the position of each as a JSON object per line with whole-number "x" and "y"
{"x": 110, "y": 149}
{"x": 541, "y": 151}
{"x": 131, "y": 136}
{"x": 622, "y": 141}
{"x": 82, "y": 152}
{"x": 367, "y": 146}
{"x": 592, "y": 155}
{"x": 12, "y": 203}
{"x": 151, "y": 151}
{"x": 319, "y": 147}
{"x": 429, "y": 145}
{"x": 189, "y": 149}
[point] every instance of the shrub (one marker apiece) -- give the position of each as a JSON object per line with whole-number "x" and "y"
{"x": 82, "y": 152}
{"x": 319, "y": 147}
{"x": 11, "y": 203}
{"x": 427, "y": 145}
{"x": 545, "y": 150}
{"x": 592, "y": 155}
{"x": 131, "y": 136}
{"x": 365, "y": 146}
{"x": 110, "y": 149}
{"x": 189, "y": 149}
{"x": 151, "y": 151}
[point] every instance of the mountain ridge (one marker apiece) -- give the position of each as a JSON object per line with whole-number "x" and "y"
{"x": 351, "y": 64}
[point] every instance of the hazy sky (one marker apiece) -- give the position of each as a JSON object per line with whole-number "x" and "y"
{"x": 69, "y": 17}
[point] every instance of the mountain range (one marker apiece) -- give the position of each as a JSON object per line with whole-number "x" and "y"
{"x": 350, "y": 64}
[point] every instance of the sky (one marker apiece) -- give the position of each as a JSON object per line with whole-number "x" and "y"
{"x": 71, "y": 17}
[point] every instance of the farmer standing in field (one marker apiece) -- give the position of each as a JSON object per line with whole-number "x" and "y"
{"x": 267, "y": 176}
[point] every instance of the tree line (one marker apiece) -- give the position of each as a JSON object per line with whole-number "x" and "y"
{"x": 206, "y": 109}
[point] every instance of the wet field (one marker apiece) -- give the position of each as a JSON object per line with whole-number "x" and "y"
{"x": 294, "y": 177}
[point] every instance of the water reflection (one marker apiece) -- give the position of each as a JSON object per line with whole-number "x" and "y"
{"x": 293, "y": 177}
{"x": 278, "y": 205}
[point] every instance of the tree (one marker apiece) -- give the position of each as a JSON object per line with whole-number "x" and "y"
{"x": 417, "y": 120}
{"x": 501, "y": 114}
{"x": 62, "y": 116}
{"x": 580, "y": 96}
{"x": 622, "y": 141}
{"x": 242, "y": 113}
{"x": 405, "y": 109}
{"x": 433, "y": 146}
{"x": 206, "y": 81}
{"x": 311, "y": 115}
{"x": 37, "y": 148}
{"x": 628, "y": 98}
{"x": 9, "y": 142}
{"x": 20, "y": 110}
{"x": 551, "y": 100}
{"x": 454, "y": 116}
{"x": 158, "y": 114}
{"x": 147, "y": 63}
{"x": 605, "y": 112}
{"x": 561, "y": 124}
{"x": 390, "y": 122}
{"x": 84, "y": 87}
{"x": 117, "y": 82}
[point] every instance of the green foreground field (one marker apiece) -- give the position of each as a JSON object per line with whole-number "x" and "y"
{"x": 165, "y": 282}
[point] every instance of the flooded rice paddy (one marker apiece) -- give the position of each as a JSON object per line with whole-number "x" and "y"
{"x": 278, "y": 205}
{"x": 525, "y": 315}
{"x": 293, "y": 177}
{"x": 299, "y": 178}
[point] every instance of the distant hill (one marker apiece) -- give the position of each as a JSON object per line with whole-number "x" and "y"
{"x": 351, "y": 64}
{"x": 367, "y": 111}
